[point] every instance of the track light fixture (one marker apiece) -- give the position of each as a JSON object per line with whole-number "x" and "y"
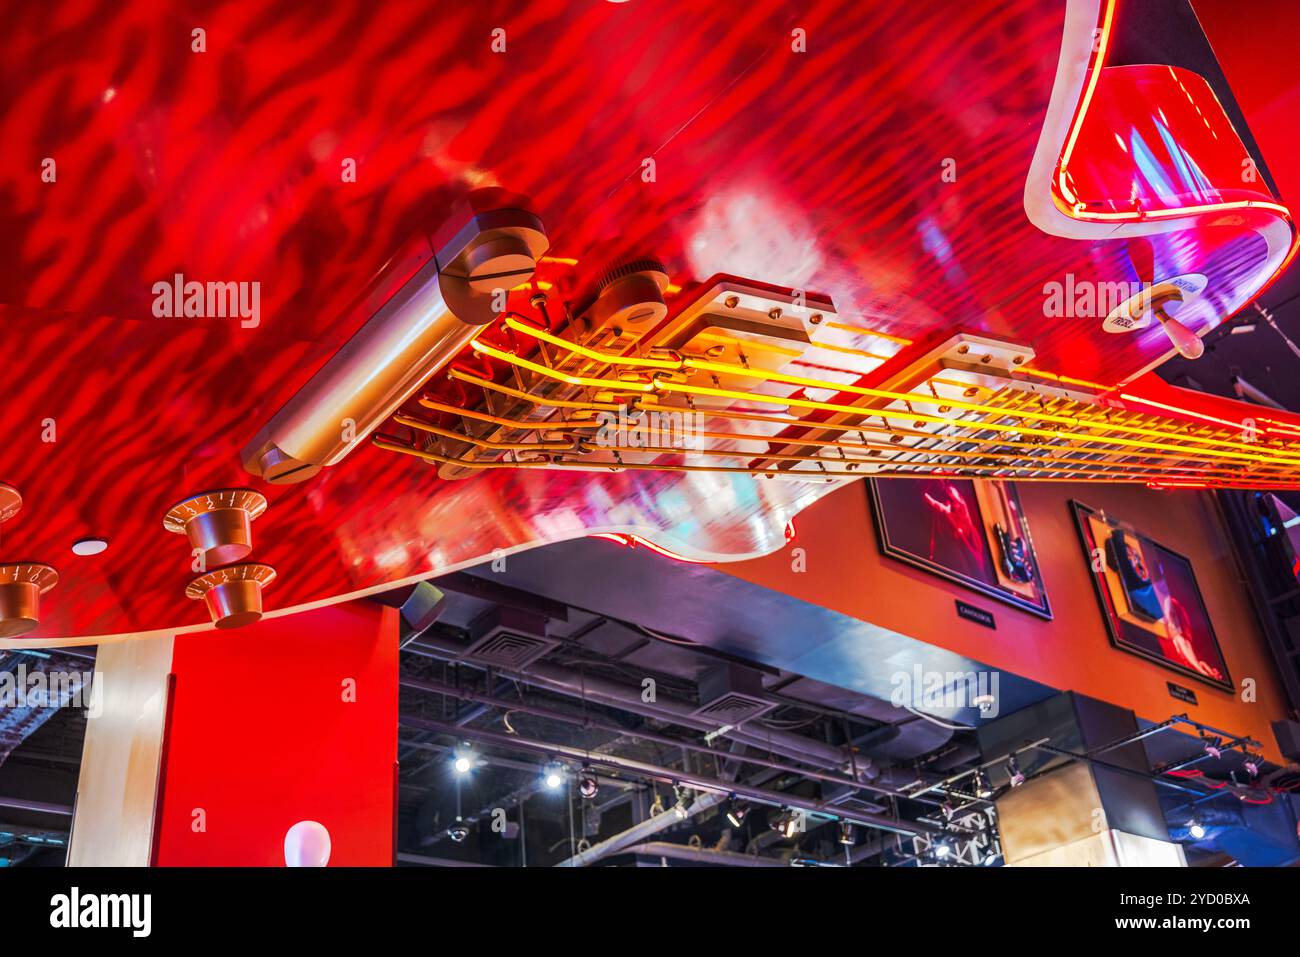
{"x": 680, "y": 807}
{"x": 1196, "y": 829}
{"x": 553, "y": 776}
{"x": 458, "y": 831}
{"x": 1014, "y": 773}
{"x": 587, "y": 783}
{"x": 737, "y": 811}
{"x": 981, "y": 784}
{"x": 462, "y": 761}
{"x": 788, "y": 823}
{"x": 848, "y": 834}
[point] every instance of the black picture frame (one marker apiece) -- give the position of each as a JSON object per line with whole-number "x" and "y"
{"x": 1115, "y": 625}
{"x": 889, "y": 546}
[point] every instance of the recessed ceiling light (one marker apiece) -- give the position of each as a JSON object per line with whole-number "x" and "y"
{"x": 89, "y": 546}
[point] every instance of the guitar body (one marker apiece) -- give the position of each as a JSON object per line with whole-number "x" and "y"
{"x": 902, "y": 159}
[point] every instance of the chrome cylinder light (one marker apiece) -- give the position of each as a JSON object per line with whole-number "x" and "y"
{"x": 425, "y": 323}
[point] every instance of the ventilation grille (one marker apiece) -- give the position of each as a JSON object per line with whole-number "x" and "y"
{"x": 508, "y": 649}
{"x": 852, "y": 803}
{"x": 734, "y": 708}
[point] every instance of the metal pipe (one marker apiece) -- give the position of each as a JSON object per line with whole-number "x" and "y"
{"x": 1154, "y": 777}
{"x": 437, "y": 687}
{"x": 637, "y": 832}
{"x": 404, "y": 858}
{"x": 497, "y": 761}
{"x": 672, "y": 776}
{"x": 617, "y": 695}
{"x": 23, "y": 804}
{"x": 700, "y": 855}
{"x": 1139, "y": 735}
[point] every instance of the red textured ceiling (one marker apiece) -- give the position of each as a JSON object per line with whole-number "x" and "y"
{"x": 818, "y": 169}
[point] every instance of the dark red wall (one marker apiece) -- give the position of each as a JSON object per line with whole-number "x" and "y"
{"x": 260, "y": 737}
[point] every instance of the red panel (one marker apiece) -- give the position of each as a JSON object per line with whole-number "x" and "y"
{"x": 1253, "y": 46}
{"x": 261, "y": 737}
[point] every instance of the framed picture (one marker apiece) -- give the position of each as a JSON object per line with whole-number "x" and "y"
{"x": 1149, "y": 598}
{"x": 970, "y": 532}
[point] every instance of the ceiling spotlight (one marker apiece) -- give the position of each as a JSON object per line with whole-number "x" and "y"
{"x": 680, "y": 807}
{"x": 848, "y": 834}
{"x": 942, "y": 850}
{"x": 89, "y": 546}
{"x": 981, "y": 784}
{"x": 458, "y": 831}
{"x": 788, "y": 824}
{"x": 462, "y": 759}
{"x": 587, "y": 784}
{"x": 1013, "y": 771}
{"x": 553, "y": 776}
{"x": 737, "y": 811}
{"x": 1196, "y": 829}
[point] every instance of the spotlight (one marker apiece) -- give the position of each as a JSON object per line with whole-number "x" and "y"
{"x": 737, "y": 811}
{"x": 458, "y": 831}
{"x": 1196, "y": 829}
{"x": 942, "y": 850}
{"x": 553, "y": 776}
{"x": 788, "y": 824}
{"x": 982, "y": 789}
{"x": 680, "y": 807}
{"x": 462, "y": 761}
{"x": 1013, "y": 771}
{"x": 848, "y": 834}
{"x": 587, "y": 784}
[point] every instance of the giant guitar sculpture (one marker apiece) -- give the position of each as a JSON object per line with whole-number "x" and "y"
{"x": 301, "y": 308}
